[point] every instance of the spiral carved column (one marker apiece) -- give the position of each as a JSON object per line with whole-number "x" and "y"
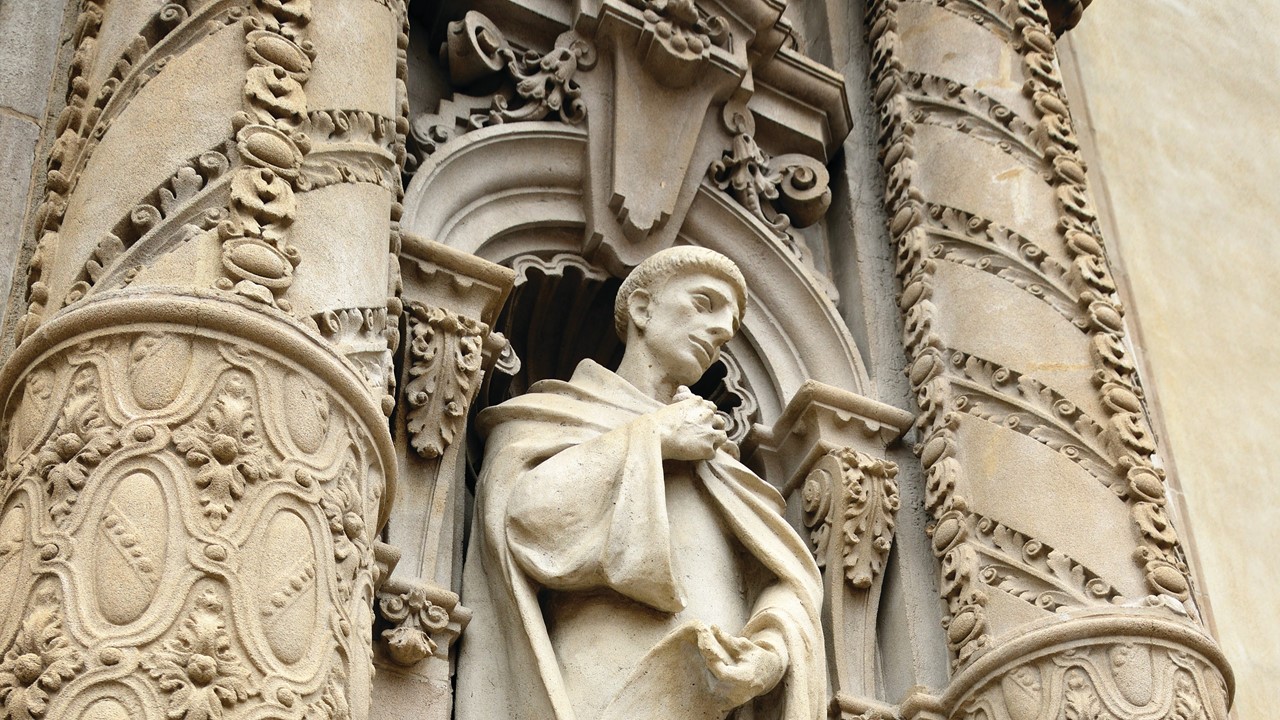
{"x": 1066, "y": 589}
{"x": 197, "y": 459}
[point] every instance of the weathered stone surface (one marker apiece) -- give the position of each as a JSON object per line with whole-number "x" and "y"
{"x": 28, "y": 52}
{"x": 18, "y": 139}
{"x": 196, "y": 509}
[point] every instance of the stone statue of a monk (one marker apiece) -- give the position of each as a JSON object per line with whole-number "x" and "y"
{"x": 623, "y": 564}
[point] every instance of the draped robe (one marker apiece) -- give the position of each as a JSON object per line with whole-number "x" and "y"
{"x": 586, "y": 597}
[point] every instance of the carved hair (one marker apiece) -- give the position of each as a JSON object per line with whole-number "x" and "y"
{"x": 660, "y": 266}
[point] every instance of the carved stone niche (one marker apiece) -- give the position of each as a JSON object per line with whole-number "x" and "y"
{"x": 451, "y": 300}
{"x": 828, "y": 450}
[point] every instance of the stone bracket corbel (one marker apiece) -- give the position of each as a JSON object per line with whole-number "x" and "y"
{"x": 829, "y": 447}
{"x": 819, "y": 419}
{"x": 667, "y": 71}
{"x": 416, "y": 620}
{"x": 452, "y": 299}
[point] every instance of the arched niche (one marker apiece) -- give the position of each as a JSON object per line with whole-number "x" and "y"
{"x": 520, "y": 189}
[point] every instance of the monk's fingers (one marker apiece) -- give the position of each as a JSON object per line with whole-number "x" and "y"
{"x": 710, "y": 647}
{"x": 737, "y": 646}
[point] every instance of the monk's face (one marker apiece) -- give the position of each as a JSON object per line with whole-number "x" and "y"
{"x": 690, "y": 316}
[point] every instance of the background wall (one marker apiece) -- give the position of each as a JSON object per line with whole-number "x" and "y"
{"x": 1180, "y": 100}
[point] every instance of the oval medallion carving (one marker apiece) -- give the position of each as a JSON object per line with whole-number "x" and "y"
{"x": 308, "y": 415}
{"x": 158, "y": 367}
{"x": 13, "y": 533}
{"x": 288, "y": 601}
{"x": 28, "y": 420}
{"x": 132, "y": 542}
{"x": 106, "y": 709}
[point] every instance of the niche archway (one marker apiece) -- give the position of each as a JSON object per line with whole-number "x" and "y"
{"x": 517, "y": 191}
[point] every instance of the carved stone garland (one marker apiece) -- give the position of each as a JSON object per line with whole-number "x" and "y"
{"x": 257, "y": 258}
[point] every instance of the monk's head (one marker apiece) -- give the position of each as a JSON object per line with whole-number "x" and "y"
{"x": 680, "y": 306}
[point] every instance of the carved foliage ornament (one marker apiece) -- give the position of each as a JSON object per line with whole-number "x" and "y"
{"x": 85, "y": 119}
{"x": 534, "y": 86}
{"x": 852, "y": 499}
{"x": 420, "y": 619}
{"x": 38, "y": 663}
{"x": 783, "y": 191}
{"x": 212, "y": 472}
{"x": 227, "y": 450}
{"x": 198, "y": 668}
{"x": 445, "y": 354}
{"x": 1127, "y": 677}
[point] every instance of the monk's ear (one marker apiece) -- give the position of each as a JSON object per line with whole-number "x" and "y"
{"x": 638, "y": 308}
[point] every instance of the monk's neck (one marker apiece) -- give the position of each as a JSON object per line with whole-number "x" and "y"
{"x": 647, "y": 376}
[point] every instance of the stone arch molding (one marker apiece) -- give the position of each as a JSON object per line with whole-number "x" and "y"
{"x": 519, "y": 189}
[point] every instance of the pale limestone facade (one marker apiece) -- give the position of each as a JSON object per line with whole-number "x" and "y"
{"x": 271, "y": 255}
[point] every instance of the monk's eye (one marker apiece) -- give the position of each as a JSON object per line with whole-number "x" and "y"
{"x": 702, "y": 302}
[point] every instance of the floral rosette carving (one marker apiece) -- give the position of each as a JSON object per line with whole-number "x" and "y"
{"x": 225, "y": 447}
{"x": 38, "y": 663}
{"x": 197, "y": 667}
{"x": 81, "y": 440}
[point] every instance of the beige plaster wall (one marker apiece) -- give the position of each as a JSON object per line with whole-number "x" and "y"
{"x": 1180, "y": 100}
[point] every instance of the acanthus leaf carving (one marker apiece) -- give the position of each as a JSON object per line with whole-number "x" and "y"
{"x": 82, "y": 439}
{"x": 782, "y": 192}
{"x": 38, "y": 663}
{"x": 1034, "y": 572}
{"x": 227, "y": 450}
{"x": 864, "y": 514}
{"x": 198, "y": 668}
{"x": 445, "y": 355}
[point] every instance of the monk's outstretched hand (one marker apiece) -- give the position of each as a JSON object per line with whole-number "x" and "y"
{"x": 742, "y": 668}
{"x": 690, "y": 428}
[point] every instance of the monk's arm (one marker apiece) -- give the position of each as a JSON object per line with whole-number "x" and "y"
{"x": 567, "y": 512}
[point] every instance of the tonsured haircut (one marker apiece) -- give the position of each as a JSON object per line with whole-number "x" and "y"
{"x": 660, "y": 266}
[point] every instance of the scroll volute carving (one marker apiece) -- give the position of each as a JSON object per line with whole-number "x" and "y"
{"x": 828, "y": 450}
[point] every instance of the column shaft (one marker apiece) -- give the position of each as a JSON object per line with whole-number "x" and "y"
{"x": 197, "y": 456}
{"x": 1064, "y": 582}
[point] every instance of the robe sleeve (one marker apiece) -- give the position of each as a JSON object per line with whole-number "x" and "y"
{"x": 594, "y": 515}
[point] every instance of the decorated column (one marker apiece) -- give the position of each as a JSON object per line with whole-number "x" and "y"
{"x": 1066, "y": 589}
{"x": 197, "y": 456}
